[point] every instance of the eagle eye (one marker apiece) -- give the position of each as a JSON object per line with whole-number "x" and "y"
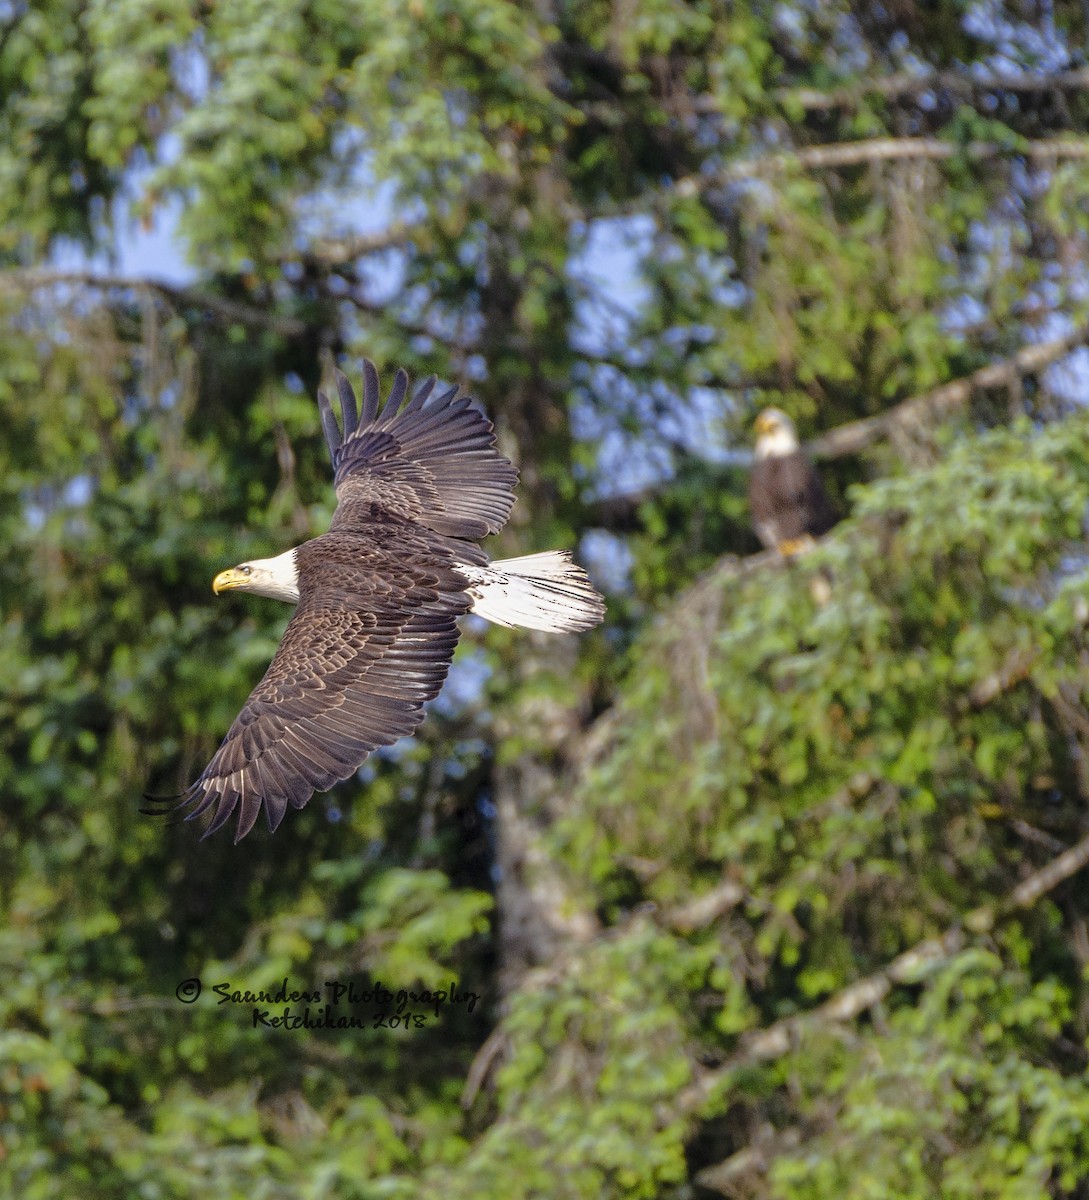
{"x": 246, "y": 570}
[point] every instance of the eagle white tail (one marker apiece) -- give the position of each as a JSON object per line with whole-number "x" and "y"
{"x": 538, "y": 591}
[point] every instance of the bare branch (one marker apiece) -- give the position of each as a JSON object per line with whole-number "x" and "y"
{"x": 705, "y": 910}
{"x": 939, "y": 403}
{"x": 1016, "y": 667}
{"x": 724, "y": 1177}
{"x": 336, "y": 252}
{"x": 905, "y": 83}
{"x": 1039, "y": 836}
{"x": 766, "y": 1045}
{"x": 494, "y": 1045}
{"x": 411, "y": 328}
{"x": 620, "y": 512}
{"x": 902, "y": 84}
{"x": 835, "y": 155}
{"x": 232, "y": 310}
{"x": 873, "y": 150}
{"x": 1048, "y": 878}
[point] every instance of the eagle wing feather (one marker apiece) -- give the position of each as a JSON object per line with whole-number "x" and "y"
{"x": 432, "y": 461}
{"x": 379, "y": 596}
{"x": 357, "y": 662}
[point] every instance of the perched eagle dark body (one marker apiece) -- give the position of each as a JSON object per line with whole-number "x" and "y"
{"x": 786, "y": 497}
{"x": 378, "y": 599}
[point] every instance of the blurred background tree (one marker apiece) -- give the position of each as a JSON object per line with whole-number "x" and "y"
{"x": 767, "y": 887}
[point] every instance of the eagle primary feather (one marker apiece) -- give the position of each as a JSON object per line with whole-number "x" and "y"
{"x": 379, "y": 597}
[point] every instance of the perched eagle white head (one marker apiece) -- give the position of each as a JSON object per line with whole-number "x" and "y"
{"x": 776, "y": 436}
{"x": 378, "y": 599}
{"x": 789, "y": 504}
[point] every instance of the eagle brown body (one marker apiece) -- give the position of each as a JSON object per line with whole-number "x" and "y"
{"x": 378, "y": 600}
{"x": 786, "y": 497}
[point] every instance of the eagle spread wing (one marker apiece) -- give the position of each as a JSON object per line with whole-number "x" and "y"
{"x": 435, "y": 464}
{"x": 367, "y": 646}
{"x": 378, "y": 600}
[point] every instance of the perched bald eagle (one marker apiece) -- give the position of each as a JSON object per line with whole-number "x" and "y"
{"x": 788, "y": 502}
{"x": 378, "y": 599}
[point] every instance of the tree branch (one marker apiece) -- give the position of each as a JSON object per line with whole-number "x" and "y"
{"x": 754, "y": 1159}
{"x": 873, "y": 150}
{"x": 912, "y": 83}
{"x": 620, "y": 512}
{"x": 451, "y": 341}
{"x": 703, "y": 911}
{"x": 939, "y": 403}
{"x": 337, "y": 252}
{"x": 779, "y": 1039}
{"x": 835, "y": 155}
{"x": 494, "y": 1045}
{"x": 905, "y": 83}
{"x": 232, "y": 310}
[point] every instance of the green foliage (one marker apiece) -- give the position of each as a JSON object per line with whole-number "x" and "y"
{"x": 48, "y": 188}
{"x": 594, "y": 1058}
{"x": 878, "y": 642}
{"x": 951, "y": 1100}
{"x": 853, "y": 743}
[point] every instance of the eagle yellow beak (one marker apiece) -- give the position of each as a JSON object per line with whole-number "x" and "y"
{"x": 764, "y": 424}
{"x": 226, "y": 580}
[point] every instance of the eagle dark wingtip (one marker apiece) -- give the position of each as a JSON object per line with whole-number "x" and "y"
{"x": 397, "y": 393}
{"x": 221, "y": 803}
{"x": 247, "y": 818}
{"x": 159, "y": 806}
{"x": 329, "y": 425}
{"x": 274, "y": 815}
{"x": 163, "y": 808}
{"x": 347, "y": 404}
{"x": 371, "y": 392}
{"x": 422, "y": 392}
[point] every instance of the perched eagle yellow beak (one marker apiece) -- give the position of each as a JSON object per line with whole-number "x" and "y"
{"x": 765, "y": 423}
{"x": 226, "y": 580}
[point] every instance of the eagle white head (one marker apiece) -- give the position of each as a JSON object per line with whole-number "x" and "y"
{"x": 776, "y": 436}
{"x": 277, "y": 578}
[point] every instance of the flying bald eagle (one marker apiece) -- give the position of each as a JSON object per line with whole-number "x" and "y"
{"x": 378, "y": 599}
{"x": 788, "y": 502}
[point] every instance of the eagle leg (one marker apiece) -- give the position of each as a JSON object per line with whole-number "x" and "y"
{"x": 791, "y": 546}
